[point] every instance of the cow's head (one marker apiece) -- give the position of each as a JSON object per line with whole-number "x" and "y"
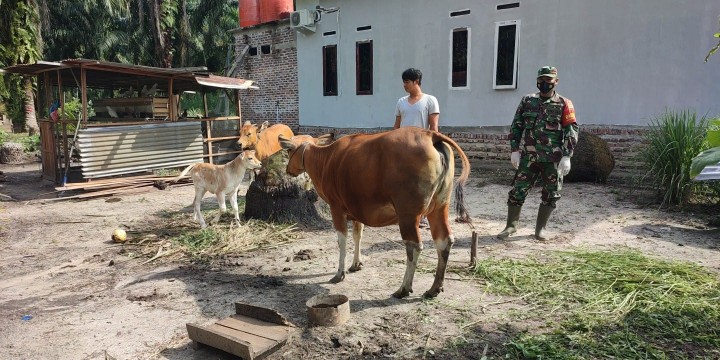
{"x": 295, "y": 150}
{"x": 249, "y": 135}
{"x": 320, "y": 140}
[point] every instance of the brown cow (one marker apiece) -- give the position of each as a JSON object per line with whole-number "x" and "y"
{"x": 388, "y": 178}
{"x": 265, "y": 141}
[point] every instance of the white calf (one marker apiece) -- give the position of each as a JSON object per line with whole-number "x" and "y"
{"x": 220, "y": 180}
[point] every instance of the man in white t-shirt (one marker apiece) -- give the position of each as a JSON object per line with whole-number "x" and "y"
{"x": 416, "y": 109}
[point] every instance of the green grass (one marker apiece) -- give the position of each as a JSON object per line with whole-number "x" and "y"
{"x": 673, "y": 140}
{"x": 615, "y": 304}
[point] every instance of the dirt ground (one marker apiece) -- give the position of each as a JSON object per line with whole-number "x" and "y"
{"x": 89, "y": 300}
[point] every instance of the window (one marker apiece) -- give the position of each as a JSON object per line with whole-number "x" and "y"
{"x": 508, "y": 6}
{"x": 265, "y": 49}
{"x": 364, "y": 67}
{"x": 459, "y": 55}
{"x": 506, "y": 51}
{"x": 253, "y": 51}
{"x": 460, "y": 13}
{"x": 364, "y": 28}
{"x": 330, "y": 80}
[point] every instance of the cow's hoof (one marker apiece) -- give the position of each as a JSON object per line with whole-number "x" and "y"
{"x": 402, "y": 293}
{"x": 338, "y": 278}
{"x": 356, "y": 267}
{"x": 432, "y": 293}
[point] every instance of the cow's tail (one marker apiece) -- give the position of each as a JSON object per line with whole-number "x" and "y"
{"x": 183, "y": 173}
{"x": 460, "y": 207}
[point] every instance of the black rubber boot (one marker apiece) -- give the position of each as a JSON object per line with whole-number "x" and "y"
{"x": 512, "y": 221}
{"x": 542, "y": 220}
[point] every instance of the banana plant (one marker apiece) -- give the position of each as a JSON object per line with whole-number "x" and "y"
{"x": 710, "y": 156}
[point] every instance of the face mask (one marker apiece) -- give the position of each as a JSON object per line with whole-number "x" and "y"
{"x": 545, "y": 87}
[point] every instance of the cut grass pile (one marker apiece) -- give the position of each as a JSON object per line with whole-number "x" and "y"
{"x": 177, "y": 236}
{"x": 609, "y": 305}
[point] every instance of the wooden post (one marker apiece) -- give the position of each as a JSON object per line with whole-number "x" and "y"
{"x": 209, "y": 142}
{"x": 171, "y": 102}
{"x": 473, "y": 249}
{"x": 239, "y": 108}
{"x": 205, "y": 106}
{"x": 83, "y": 92}
{"x": 61, "y": 122}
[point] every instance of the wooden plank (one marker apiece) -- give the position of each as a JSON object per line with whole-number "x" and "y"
{"x": 223, "y": 153}
{"x": 209, "y": 143}
{"x": 256, "y": 327}
{"x": 222, "y": 138}
{"x": 221, "y": 340}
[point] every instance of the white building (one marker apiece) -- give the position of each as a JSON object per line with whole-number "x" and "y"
{"x": 620, "y": 61}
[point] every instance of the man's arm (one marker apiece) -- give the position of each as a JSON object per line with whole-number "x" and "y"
{"x": 434, "y": 121}
{"x": 517, "y": 128}
{"x": 570, "y": 129}
{"x": 398, "y": 120}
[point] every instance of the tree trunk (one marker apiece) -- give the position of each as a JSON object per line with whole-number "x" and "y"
{"x": 275, "y": 196}
{"x": 29, "y": 99}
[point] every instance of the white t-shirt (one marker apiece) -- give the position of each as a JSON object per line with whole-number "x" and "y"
{"x": 416, "y": 114}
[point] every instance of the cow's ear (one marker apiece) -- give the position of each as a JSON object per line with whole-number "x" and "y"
{"x": 264, "y": 125}
{"x": 247, "y": 123}
{"x": 286, "y": 143}
{"x": 325, "y": 139}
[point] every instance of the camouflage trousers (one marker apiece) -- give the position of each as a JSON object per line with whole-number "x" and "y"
{"x": 525, "y": 178}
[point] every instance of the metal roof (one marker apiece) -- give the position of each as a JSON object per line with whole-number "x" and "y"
{"x": 106, "y": 74}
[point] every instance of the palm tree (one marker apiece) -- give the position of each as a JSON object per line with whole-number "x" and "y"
{"x": 20, "y": 43}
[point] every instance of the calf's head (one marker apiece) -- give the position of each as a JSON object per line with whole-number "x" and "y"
{"x": 249, "y": 160}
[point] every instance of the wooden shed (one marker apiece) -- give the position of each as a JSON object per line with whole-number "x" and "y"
{"x": 131, "y": 118}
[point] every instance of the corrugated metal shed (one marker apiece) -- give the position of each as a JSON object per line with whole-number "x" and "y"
{"x": 710, "y": 172}
{"x": 108, "y": 151}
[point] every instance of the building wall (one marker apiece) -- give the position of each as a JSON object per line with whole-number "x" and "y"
{"x": 275, "y": 74}
{"x": 621, "y": 62}
{"x": 492, "y": 144}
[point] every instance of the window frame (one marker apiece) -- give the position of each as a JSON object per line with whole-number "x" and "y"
{"x": 468, "y": 60}
{"x": 324, "y": 72}
{"x": 357, "y": 67}
{"x": 498, "y": 25}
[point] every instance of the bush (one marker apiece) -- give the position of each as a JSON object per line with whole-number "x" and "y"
{"x": 30, "y": 143}
{"x": 674, "y": 139}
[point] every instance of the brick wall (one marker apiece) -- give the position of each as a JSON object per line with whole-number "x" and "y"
{"x": 492, "y": 143}
{"x": 275, "y": 73}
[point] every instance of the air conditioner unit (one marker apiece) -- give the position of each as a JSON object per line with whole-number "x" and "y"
{"x": 303, "y": 20}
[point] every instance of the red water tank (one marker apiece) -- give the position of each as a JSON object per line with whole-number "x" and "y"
{"x": 249, "y": 12}
{"x": 271, "y": 10}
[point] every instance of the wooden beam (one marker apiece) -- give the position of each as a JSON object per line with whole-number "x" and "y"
{"x": 239, "y": 108}
{"x": 209, "y": 141}
{"x": 83, "y": 92}
{"x": 171, "y": 101}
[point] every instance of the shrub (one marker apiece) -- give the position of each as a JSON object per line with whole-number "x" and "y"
{"x": 674, "y": 139}
{"x": 31, "y": 143}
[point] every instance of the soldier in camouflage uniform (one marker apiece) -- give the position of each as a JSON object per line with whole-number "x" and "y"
{"x": 544, "y": 126}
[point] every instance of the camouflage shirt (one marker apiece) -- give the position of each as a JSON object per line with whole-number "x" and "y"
{"x": 546, "y": 128}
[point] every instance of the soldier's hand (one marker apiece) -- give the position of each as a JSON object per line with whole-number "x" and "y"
{"x": 515, "y": 159}
{"x": 564, "y": 166}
